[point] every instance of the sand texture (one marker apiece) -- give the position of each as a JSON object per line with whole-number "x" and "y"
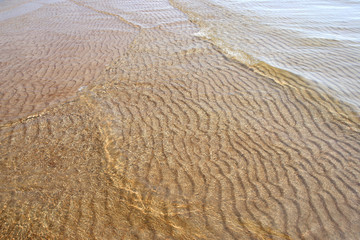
{"x": 169, "y": 140}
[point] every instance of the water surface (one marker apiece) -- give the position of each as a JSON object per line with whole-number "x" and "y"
{"x": 315, "y": 40}
{"x": 135, "y": 120}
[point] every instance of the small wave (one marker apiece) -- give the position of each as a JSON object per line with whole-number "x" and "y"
{"x": 320, "y": 50}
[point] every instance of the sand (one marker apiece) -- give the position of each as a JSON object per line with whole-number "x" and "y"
{"x": 118, "y": 122}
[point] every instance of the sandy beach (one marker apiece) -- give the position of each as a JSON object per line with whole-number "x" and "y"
{"x": 117, "y": 121}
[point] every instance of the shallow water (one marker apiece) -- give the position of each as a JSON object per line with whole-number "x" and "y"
{"x": 313, "y": 39}
{"x": 50, "y": 49}
{"x": 161, "y": 134}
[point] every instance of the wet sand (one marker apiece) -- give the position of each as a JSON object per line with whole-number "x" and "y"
{"x": 169, "y": 140}
{"x": 52, "y": 51}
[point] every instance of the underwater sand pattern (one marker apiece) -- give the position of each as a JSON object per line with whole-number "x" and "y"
{"x": 174, "y": 140}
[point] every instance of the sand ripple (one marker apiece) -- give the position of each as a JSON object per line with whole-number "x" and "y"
{"x": 172, "y": 140}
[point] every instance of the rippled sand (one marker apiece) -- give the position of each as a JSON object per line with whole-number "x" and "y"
{"x": 52, "y": 51}
{"x": 316, "y": 39}
{"x": 169, "y": 140}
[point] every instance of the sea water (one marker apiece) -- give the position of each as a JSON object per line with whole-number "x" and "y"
{"x": 317, "y": 41}
{"x": 122, "y": 119}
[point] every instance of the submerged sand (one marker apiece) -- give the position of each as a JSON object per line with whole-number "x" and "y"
{"x": 170, "y": 139}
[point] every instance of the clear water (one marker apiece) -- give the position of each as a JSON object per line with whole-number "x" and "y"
{"x": 313, "y": 40}
{"x": 116, "y": 122}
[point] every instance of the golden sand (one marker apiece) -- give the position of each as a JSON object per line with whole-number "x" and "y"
{"x": 169, "y": 139}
